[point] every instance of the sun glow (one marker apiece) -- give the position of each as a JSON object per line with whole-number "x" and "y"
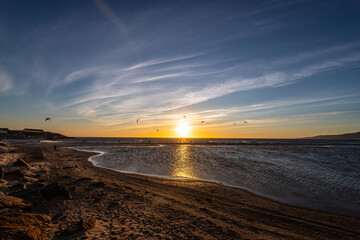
{"x": 183, "y": 130}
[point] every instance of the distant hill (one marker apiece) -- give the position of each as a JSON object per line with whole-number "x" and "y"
{"x": 346, "y": 136}
{"x": 28, "y": 133}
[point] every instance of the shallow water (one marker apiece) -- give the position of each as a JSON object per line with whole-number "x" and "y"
{"x": 322, "y": 177}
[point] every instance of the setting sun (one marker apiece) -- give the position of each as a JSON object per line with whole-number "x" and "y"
{"x": 183, "y": 130}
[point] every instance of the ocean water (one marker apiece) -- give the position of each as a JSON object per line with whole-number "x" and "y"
{"x": 320, "y": 177}
{"x": 125, "y": 140}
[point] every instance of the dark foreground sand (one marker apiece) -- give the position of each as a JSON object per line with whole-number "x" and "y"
{"x": 87, "y": 202}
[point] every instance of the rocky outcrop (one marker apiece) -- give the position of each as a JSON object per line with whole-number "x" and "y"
{"x": 13, "y": 202}
{"x": 55, "y": 190}
{"x": 24, "y": 226}
{"x": 22, "y": 163}
{"x": 17, "y": 187}
{"x": 30, "y": 195}
{"x": 48, "y": 193}
{"x": 18, "y": 173}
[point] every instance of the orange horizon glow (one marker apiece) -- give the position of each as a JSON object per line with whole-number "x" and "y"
{"x": 195, "y": 132}
{"x": 169, "y": 129}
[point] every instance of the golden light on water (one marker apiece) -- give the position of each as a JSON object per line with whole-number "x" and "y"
{"x": 183, "y": 130}
{"x": 183, "y": 166}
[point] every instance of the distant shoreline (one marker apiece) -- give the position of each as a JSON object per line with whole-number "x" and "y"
{"x": 345, "y": 136}
{"x": 162, "y": 141}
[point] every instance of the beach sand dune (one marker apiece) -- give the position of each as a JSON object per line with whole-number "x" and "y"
{"x": 86, "y": 202}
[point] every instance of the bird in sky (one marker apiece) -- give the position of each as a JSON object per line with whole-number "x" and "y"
{"x": 184, "y": 117}
{"x": 157, "y": 130}
{"x": 245, "y": 122}
{"x": 202, "y": 122}
{"x": 138, "y": 120}
{"x": 234, "y": 124}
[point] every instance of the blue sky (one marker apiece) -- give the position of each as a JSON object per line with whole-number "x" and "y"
{"x": 288, "y": 68}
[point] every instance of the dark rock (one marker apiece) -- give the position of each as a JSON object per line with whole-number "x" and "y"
{"x": 87, "y": 223}
{"x": 18, "y": 172}
{"x": 1, "y": 173}
{"x": 44, "y": 171}
{"x": 22, "y": 163}
{"x": 17, "y": 187}
{"x": 84, "y": 179}
{"x": 30, "y": 195}
{"x": 24, "y": 226}
{"x": 98, "y": 184}
{"x": 54, "y": 190}
{"x": 67, "y": 232}
{"x": 81, "y": 180}
{"x": 13, "y": 202}
{"x": 35, "y": 185}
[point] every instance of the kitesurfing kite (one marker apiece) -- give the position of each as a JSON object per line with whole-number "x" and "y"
{"x": 47, "y": 119}
{"x": 184, "y": 116}
{"x": 234, "y": 124}
{"x": 137, "y": 121}
{"x": 202, "y": 122}
{"x": 245, "y": 122}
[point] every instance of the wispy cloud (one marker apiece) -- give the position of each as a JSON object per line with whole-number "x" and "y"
{"x": 5, "y": 82}
{"x": 251, "y": 109}
{"x": 269, "y": 6}
{"x": 116, "y": 20}
{"x": 80, "y": 74}
{"x": 301, "y": 118}
{"x": 124, "y": 91}
{"x": 158, "y": 61}
{"x": 255, "y": 122}
{"x": 158, "y": 77}
{"x": 135, "y": 73}
{"x": 277, "y": 79}
{"x": 318, "y": 53}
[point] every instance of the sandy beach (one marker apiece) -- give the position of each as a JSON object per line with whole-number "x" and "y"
{"x": 59, "y": 194}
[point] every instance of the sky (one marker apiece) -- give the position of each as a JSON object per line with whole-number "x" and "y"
{"x": 288, "y": 68}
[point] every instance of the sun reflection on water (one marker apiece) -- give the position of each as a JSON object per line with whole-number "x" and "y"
{"x": 183, "y": 166}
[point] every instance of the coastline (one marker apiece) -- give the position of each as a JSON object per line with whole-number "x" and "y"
{"x": 136, "y": 206}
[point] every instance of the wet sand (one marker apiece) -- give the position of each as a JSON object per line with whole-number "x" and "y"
{"x": 95, "y": 203}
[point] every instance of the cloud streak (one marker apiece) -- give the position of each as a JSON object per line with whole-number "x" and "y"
{"x": 277, "y": 79}
{"x": 5, "y": 82}
{"x": 125, "y": 91}
{"x": 117, "y": 21}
